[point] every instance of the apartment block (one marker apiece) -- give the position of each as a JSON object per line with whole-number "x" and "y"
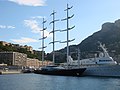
{"x": 46, "y": 62}
{"x": 13, "y": 58}
{"x": 34, "y": 63}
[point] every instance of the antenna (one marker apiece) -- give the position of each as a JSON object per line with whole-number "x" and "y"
{"x": 43, "y": 37}
{"x": 67, "y": 18}
{"x": 53, "y": 31}
{"x": 79, "y": 56}
{"x": 104, "y": 49}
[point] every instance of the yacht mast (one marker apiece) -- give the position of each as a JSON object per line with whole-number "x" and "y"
{"x": 104, "y": 49}
{"x": 67, "y": 18}
{"x": 43, "y": 37}
{"x": 78, "y": 56}
{"x": 53, "y": 31}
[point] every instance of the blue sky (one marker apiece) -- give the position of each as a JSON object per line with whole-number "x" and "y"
{"x": 21, "y": 20}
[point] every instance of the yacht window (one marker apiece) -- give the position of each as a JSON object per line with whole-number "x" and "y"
{"x": 104, "y": 60}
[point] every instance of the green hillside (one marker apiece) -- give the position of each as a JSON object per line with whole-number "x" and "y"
{"x": 9, "y": 48}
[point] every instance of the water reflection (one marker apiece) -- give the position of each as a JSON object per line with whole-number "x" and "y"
{"x": 46, "y": 82}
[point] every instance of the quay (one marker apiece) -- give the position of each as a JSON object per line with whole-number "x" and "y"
{"x": 10, "y": 72}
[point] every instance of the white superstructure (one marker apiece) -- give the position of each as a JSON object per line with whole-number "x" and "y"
{"x": 104, "y": 65}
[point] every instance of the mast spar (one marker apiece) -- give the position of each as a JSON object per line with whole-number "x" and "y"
{"x": 43, "y": 37}
{"x": 53, "y": 31}
{"x": 68, "y": 28}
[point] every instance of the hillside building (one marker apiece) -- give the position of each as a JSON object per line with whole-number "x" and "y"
{"x": 13, "y": 58}
{"x": 5, "y": 43}
{"x": 35, "y": 63}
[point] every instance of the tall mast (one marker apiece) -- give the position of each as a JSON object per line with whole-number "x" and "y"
{"x": 43, "y": 37}
{"x": 104, "y": 49}
{"x": 53, "y": 31}
{"x": 78, "y": 56}
{"x": 67, "y": 18}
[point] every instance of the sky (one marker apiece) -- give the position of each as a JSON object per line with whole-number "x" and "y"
{"x": 21, "y": 20}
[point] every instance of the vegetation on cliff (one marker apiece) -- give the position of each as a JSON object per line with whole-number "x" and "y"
{"x": 10, "y": 48}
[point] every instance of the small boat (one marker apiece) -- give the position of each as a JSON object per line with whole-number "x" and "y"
{"x": 58, "y": 70}
{"x": 27, "y": 71}
{"x": 0, "y": 73}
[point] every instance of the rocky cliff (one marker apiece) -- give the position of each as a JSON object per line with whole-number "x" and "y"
{"x": 108, "y": 35}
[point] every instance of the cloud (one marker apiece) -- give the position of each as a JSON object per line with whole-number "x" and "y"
{"x": 34, "y": 26}
{"x": 37, "y": 17}
{"x": 6, "y": 27}
{"x": 30, "y": 2}
{"x": 10, "y": 27}
{"x": 24, "y": 40}
{"x": 2, "y": 26}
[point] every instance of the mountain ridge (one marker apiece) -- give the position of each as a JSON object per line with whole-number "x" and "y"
{"x": 108, "y": 35}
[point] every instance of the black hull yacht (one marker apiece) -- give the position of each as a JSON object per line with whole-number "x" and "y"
{"x": 56, "y": 70}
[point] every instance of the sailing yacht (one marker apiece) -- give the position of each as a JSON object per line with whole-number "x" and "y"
{"x": 59, "y": 70}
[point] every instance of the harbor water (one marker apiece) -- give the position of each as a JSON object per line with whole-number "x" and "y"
{"x": 47, "y": 82}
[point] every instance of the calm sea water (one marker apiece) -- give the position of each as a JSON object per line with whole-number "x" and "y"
{"x": 46, "y": 82}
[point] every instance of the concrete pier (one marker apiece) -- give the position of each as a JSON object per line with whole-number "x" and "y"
{"x": 10, "y": 72}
